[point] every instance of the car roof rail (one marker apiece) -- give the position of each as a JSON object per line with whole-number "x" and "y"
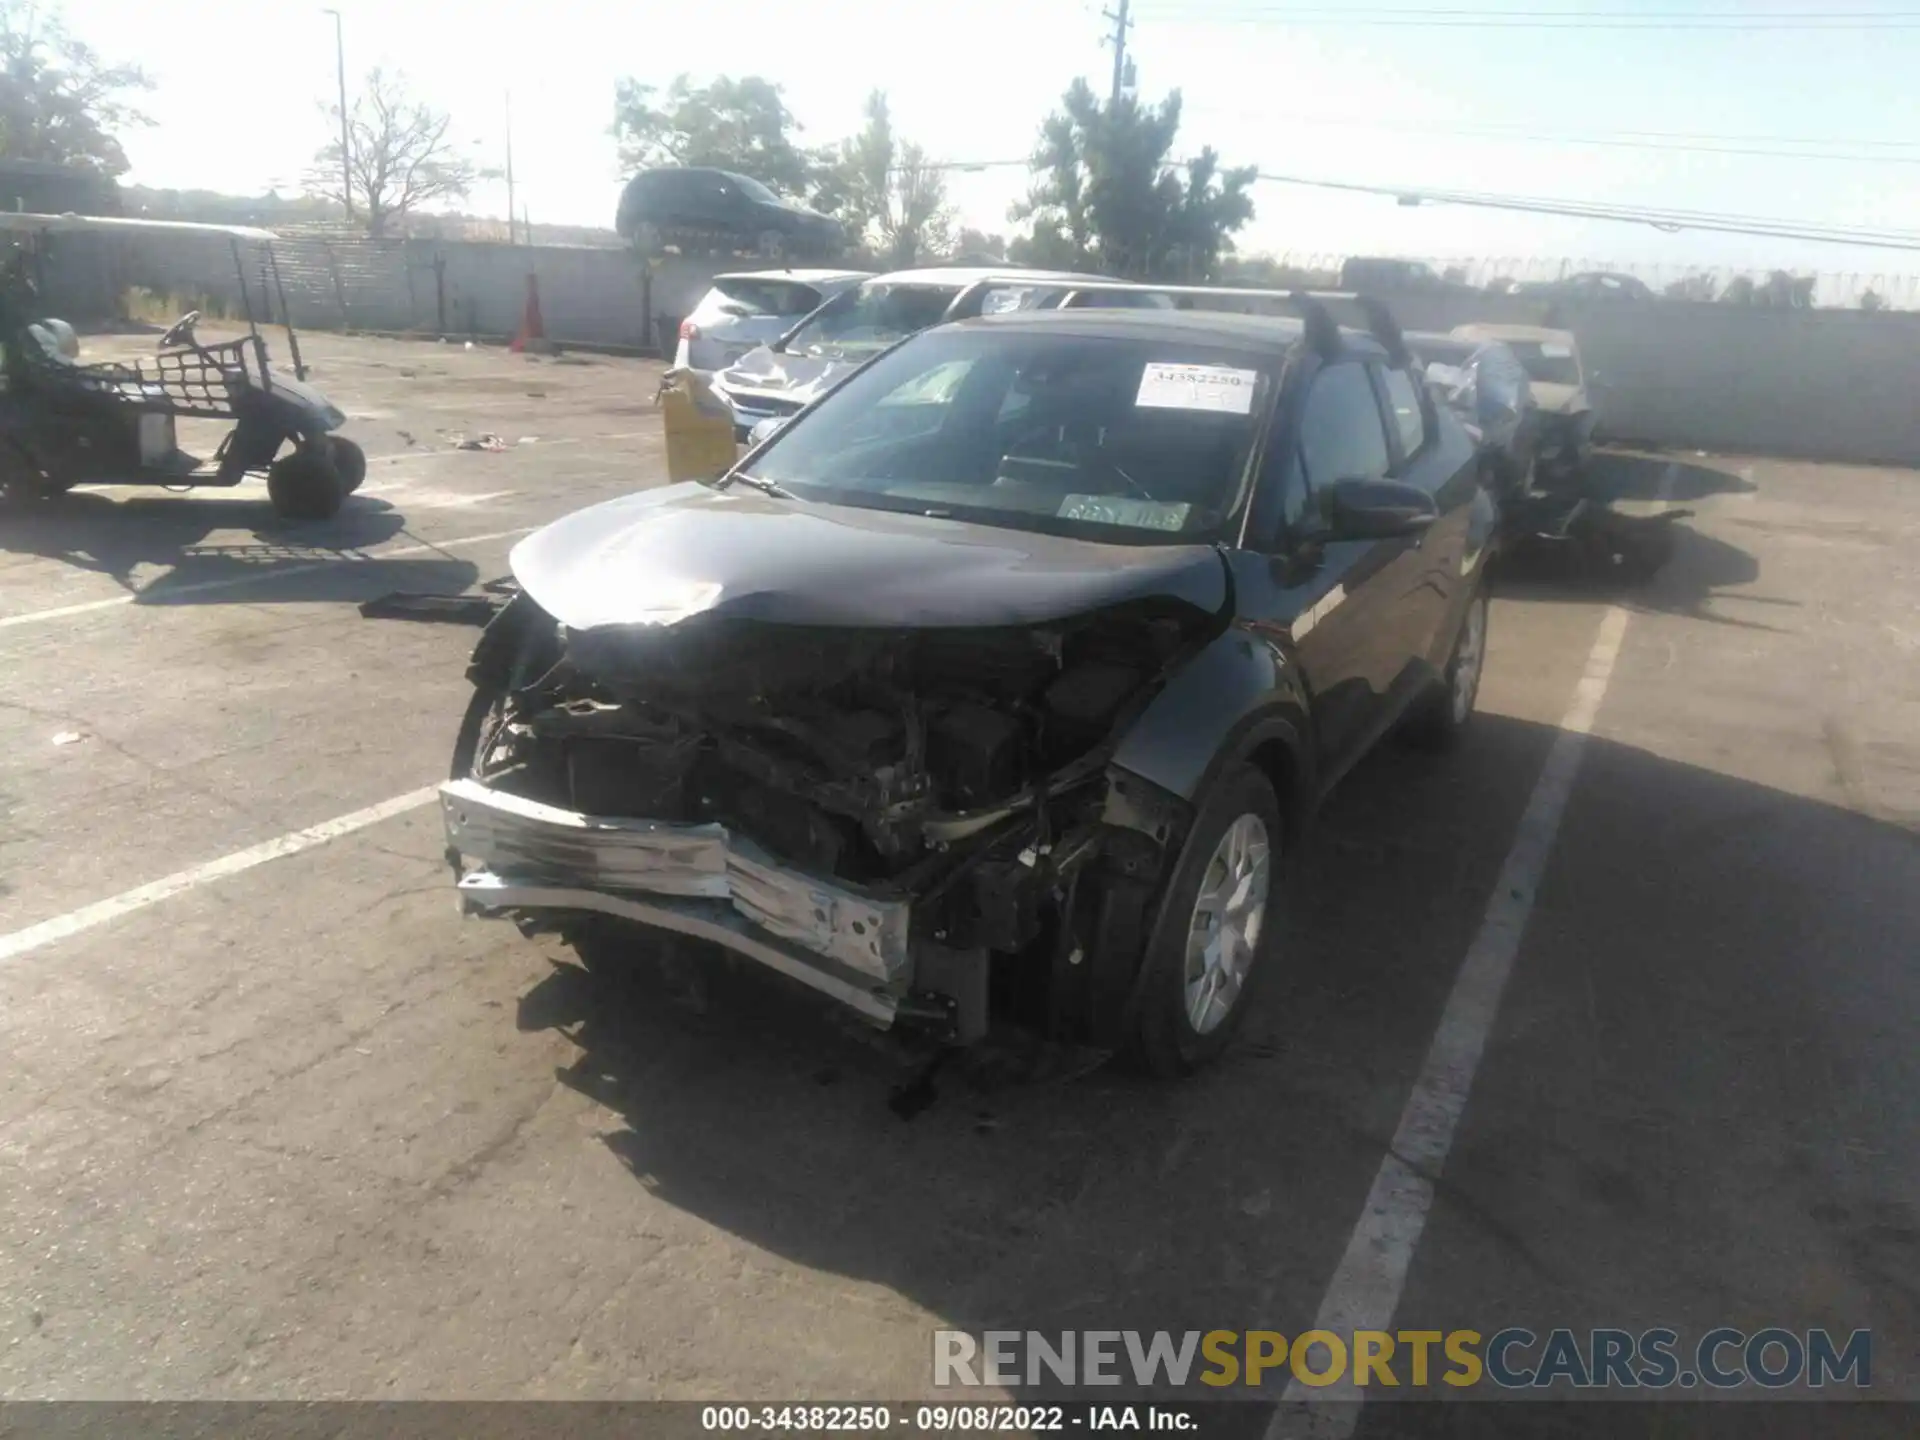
{"x": 1322, "y": 330}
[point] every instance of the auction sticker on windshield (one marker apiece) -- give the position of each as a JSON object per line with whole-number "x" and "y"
{"x": 1197, "y": 387}
{"x": 1117, "y": 510}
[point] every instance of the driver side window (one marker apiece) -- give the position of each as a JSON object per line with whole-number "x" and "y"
{"x": 1341, "y": 434}
{"x": 1342, "y": 437}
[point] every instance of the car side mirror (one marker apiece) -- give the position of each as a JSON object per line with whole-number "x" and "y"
{"x": 1378, "y": 510}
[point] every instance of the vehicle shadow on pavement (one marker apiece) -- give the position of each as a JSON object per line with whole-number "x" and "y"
{"x": 1678, "y": 1041}
{"x": 282, "y": 561}
{"x": 1625, "y": 475}
{"x": 1695, "y": 583}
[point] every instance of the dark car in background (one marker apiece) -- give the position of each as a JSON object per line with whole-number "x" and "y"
{"x": 698, "y": 210}
{"x": 1375, "y": 274}
{"x": 1589, "y": 285}
{"x": 1002, "y": 682}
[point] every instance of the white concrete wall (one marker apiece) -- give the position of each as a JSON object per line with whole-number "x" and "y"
{"x": 1818, "y": 384}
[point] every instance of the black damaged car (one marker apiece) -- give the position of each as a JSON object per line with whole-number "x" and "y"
{"x": 1000, "y": 684}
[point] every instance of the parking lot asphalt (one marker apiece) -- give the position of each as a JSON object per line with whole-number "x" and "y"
{"x": 279, "y": 1124}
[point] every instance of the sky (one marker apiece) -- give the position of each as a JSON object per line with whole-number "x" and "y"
{"x": 1298, "y": 87}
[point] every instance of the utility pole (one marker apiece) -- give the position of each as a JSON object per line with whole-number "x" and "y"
{"x": 1119, "y": 42}
{"x": 346, "y": 141}
{"x": 510, "y": 209}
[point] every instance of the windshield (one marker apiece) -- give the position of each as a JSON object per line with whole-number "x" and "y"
{"x": 1547, "y": 362}
{"x": 874, "y": 316}
{"x": 1139, "y": 441}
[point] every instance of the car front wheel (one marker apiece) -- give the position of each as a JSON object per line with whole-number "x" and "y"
{"x": 1216, "y": 930}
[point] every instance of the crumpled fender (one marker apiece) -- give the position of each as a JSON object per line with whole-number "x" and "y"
{"x": 1237, "y": 695}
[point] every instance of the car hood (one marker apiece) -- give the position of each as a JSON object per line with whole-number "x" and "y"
{"x": 797, "y": 376}
{"x": 663, "y": 556}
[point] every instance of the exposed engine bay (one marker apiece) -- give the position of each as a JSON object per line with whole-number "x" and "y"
{"x": 853, "y": 753}
{"x": 963, "y": 770}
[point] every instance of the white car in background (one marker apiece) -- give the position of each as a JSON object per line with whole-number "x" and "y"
{"x": 1562, "y": 388}
{"x": 746, "y": 310}
{"x": 777, "y": 380}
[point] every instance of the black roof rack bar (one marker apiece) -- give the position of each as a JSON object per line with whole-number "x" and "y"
{"x": 1384, "y": 327}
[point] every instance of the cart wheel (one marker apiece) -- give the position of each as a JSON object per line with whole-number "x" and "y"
{"x": 349, "y": 462}
{"x": 304, "y": 486}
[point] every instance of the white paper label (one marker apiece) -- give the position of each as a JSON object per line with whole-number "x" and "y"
{"x": 1556, "y": 352}
{"x": 1219, "y": 388}
{"x": 1119, "y": 510}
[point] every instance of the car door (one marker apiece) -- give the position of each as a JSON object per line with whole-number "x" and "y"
{"x": 708, "y": 204}
{"x": 1330, "y": 602}
{"x": 1426, "y": 454}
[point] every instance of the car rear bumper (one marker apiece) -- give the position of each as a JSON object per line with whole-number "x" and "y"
{"x": 518, "y": 855}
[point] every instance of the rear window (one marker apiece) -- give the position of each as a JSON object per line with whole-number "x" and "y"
{"x": 788, "y": 299}
{"x": 1546, "y": 362}
{"x": 873, "y": 316}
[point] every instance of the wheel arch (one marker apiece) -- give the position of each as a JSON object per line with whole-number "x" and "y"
{"x": 1240, "y": 700}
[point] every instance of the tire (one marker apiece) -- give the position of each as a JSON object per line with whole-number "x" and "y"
{"x": 1443, "y": 717}
{"x": 773, "y": 245}
{"x": 303, "y": 485}
{"x": 1167, "y": 1039}
{"x": 349, "y": 462}
{"x": 528, "y": 652}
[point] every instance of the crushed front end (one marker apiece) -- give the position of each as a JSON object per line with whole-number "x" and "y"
{"x": 920, "y": 824}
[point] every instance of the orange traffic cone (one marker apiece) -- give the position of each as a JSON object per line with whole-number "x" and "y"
{"x": 533, "y": 329}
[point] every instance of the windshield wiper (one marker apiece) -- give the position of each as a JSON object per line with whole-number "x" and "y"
{"x": 765, "y": 487}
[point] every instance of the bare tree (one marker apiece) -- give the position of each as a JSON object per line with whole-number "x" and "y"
{"x": 402, "y": 157}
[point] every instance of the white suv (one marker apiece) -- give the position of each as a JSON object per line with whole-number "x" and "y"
{"x": 747, "y": 310}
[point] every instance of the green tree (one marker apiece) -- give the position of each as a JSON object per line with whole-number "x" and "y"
{"x": 403, "y": 157}
{"x": 887, "y": 192}
{"x": 978, "y": 246}
{"x": 740, "y": 125}
{"x": 60, "y": 103}
{"x": 1107, "y": 195}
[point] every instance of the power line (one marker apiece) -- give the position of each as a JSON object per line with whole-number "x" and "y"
{"x": 1660, "y": 219}
{"x": 1623, "y": 141}
{"x": 1664, "y": 219}
{"x": 1657, "y": 21}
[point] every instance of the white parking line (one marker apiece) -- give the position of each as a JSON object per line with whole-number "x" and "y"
{"x": 229, "y": 582}
{"x": 1365, "y": 1289}
{"x": 102, "y": 912}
